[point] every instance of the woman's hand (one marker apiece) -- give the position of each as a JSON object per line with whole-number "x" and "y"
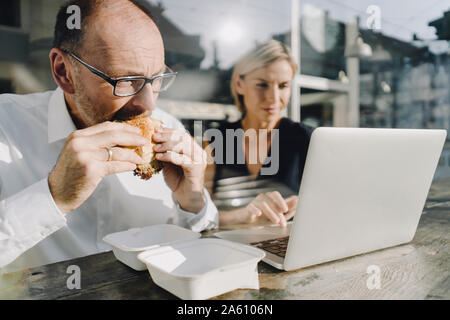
{"x": 268, "y": 206}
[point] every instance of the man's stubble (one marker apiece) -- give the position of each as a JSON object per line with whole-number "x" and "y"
{"x": 85, "y": 108}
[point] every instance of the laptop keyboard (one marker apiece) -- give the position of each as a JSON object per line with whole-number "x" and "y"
{"x": 276, "y": 246}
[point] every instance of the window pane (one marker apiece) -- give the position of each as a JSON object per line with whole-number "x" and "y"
{"x": 405, "y": 82}
{"x": 10, "y": 13}
{"x": 204, "y": 38}
{"x": 5, "y": 86}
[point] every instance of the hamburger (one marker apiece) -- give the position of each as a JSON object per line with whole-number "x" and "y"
{"x": 147, "y": 125}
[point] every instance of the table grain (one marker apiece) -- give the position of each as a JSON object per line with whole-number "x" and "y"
{"x": 417, "y": 270}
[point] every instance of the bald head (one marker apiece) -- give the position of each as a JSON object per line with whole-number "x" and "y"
{"x": 120, "y": 33}
{"x": 119, "y": 15}
{"x": 119, "y": 22}
{"x": 117, "y": 37}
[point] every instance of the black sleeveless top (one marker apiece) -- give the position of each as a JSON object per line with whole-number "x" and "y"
{"x": 293, "y": 145}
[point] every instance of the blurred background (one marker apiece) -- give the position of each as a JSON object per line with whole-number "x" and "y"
{"x": 362, "y": 63}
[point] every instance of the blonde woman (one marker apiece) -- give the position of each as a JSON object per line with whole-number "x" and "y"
{"x": 261, "y": 87}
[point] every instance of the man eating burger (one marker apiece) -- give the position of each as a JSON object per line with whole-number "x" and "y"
{"x": 67, "y": 156}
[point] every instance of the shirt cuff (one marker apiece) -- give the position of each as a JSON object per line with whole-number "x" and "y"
{"x": 206, "y": 219}
{"x": 26, "y": 218}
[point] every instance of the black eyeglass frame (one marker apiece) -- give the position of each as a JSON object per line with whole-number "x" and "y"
{"x": 114, "y": 81}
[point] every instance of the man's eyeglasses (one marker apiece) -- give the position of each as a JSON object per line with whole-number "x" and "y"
{"x": 131, "y": 85}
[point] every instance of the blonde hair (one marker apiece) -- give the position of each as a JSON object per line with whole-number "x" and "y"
{"x": 260, "y": 57}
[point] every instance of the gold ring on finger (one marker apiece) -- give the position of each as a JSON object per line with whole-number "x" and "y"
{"x": 110, "y": 153}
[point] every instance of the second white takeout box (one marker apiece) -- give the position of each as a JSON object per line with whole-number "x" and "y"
{"x": 203, "y": 268}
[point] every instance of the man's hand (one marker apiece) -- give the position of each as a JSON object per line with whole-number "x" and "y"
{"x": 83, "y": 163}
{"x": 184, "y": 167}
{"x": 270, "y": 205}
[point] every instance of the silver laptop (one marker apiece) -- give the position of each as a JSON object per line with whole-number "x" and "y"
{"x": 361, "y": 190}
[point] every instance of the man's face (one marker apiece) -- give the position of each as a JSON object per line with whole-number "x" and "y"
{"x": 119, "y": 43}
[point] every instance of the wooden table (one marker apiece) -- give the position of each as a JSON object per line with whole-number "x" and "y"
{"x": 418, "y": 270}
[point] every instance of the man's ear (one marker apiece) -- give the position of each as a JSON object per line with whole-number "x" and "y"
{"x": 62, "y": 70}
{"x": 239, "y": 84}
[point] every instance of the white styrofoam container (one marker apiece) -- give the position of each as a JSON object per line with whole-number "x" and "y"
{"x": 203, "y": 268}
{"x": 128, "y": 244}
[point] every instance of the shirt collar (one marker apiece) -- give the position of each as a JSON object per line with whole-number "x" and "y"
{"x": 60, "y": 124}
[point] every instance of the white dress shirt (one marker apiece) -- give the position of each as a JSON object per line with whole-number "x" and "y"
{"x": 33, "y": 232}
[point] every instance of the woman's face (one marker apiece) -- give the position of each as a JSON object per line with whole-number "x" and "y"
{"x": 266, "y": 91}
